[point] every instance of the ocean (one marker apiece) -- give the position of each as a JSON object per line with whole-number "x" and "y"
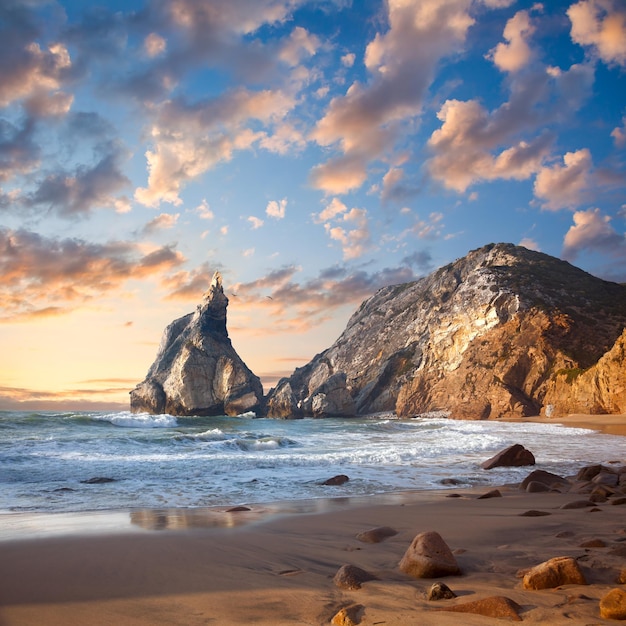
{"x": 55, "y": 462}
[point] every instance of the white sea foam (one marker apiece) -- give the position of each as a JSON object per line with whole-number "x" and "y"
{"x": 138, "y": 420}
{"x": 165, "y": 461}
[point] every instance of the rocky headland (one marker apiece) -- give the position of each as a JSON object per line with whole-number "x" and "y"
{"x": 503, "y": 332}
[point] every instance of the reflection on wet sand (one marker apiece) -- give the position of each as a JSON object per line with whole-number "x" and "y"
{"x": 38, "y": 525}
{"x": 189, "y": 519}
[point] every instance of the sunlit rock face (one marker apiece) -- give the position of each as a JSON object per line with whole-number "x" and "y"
{"x": 485, "y": 337}
{"x": 196, "y": 370}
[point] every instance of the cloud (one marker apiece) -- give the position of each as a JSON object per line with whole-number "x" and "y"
{"x": 255, "y": 222}
{"x": 276, "y": 208}
{"x": 78, "y": 192}
{"x": 49, "y": 276}
{"x": 422, "y": 260}
{"x": 297, "y": 307}
{"x": 28, "y": 70}
{"x": 529, "y": 243}
{"x": 592, "y": 231}
{"x": 204, "y": 211}
{"x": 619, "y": 134}
{"x": 23, "y": 399}
{"x": 601, "y": 26}
{"x": 334, "y": 208}
{"x": 464, "y": 147}
{"x": 189, "y": 284}
{"x": 161, "y": 222}
{"x": 347, "y": 60}
{"x": 19, "y": 153}
{"x": 191, "y": 138}
{"x": 515, "y": 54}
{"x": 154, "y": 45}
{"x": 565, "y": 186}
{"x": 365, "y": 122}
{"x": 335, "y": 217}
{"x": 354, "y": 242}
{"x": 299, "y": 44}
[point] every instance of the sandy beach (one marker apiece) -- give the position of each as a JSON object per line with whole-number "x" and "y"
{"x": 273, "y": 565}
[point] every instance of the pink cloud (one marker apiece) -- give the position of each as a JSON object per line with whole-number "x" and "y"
{"x": 601, "y": 26}
{"x": 565, "y": 186}
{"x": 592, "y": 231}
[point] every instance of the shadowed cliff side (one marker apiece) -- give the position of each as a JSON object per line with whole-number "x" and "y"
{"x": 196, "y": 370}
{"x": 497, "y": 333}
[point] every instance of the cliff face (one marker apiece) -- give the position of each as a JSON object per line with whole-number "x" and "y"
{"x": 196, "y": 370}
{"x": 487, "y": 336}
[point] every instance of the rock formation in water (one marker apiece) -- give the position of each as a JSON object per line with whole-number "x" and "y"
{"x": 196, "y": 370}
{"x": 504, "y": 331}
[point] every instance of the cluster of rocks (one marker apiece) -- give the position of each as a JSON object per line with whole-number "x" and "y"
{"x": 428, "y": 556}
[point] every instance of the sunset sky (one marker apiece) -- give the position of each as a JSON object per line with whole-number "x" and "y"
{"x": 312, "y": 151}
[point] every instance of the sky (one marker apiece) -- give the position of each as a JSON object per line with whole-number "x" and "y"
{"x": 311, "y": 151}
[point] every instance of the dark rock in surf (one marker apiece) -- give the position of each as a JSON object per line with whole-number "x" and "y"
{"x": 513, "y": 456}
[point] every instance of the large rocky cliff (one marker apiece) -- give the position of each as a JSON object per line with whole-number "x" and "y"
{"x": 504, "y": 331}
{"x": 196, "y": 370}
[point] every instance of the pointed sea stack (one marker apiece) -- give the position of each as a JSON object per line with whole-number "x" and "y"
{"x": 196, "y": 370}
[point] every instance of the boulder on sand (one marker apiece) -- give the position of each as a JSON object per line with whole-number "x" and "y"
{"x": 429, "y": 556}
{"x": 561, "y": 570}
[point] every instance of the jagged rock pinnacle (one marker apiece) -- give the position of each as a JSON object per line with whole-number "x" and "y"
{"x": 196, "y": 370}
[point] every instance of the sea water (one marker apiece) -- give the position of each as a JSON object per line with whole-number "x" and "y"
{"x": 48, "y": 460}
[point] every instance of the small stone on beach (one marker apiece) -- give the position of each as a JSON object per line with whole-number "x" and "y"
{"x": 439, "y": 591}
{"x": 351, "y": 577}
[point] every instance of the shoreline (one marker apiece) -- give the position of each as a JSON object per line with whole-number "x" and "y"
{"x": 17, "y": 525}
{"x": 609, "y": 424}
{"x": 274, "y": 563}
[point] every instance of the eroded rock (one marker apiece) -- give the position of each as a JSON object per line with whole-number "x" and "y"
{"x": 429, "y": 556}
{"x": 613, "y": 605}
{"x": 196, "y": 370}
{"x": 351, "y": 577}
{"x": 561, "y": 570}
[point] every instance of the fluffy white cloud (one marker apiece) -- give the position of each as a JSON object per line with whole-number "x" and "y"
{"x": 619, "y": 134}
{"x": 354, "y": 241}
{"x": 529, "y": 243}
{"x": 600, "y": 24}
{"x": 276, "y": 208}
{"x": 154, "y": 45}
{"x": 466, "y": 146}
{"x": 255, "y": 222}
{"x": 299, "y": 44}
{"x": 592, "y": 231}
{"x": 190, "y": 139}
{"x": 365, "y": 123}
{"x": 563, "y": 186}
{"x": 333, "y": 208}
{"x": 515, "y": 54}
{"x": 204, "y": 211}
